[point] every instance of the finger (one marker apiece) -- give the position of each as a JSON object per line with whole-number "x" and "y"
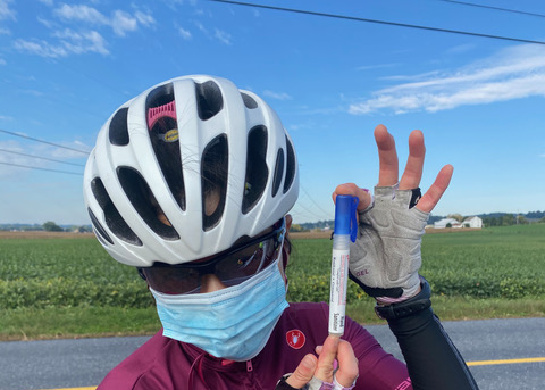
{"x": 388, "y": 174}
{"x": 413, "y": 170}
{"x": 437, "y": 189}
{"x": 352, "y": 189}
{"x": 326, "y": 359}
{"x": 303, "y": 373}
{"x": 348, "y": 364}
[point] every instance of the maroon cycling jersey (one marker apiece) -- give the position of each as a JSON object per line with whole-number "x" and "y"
{"x": 166, "y": 364}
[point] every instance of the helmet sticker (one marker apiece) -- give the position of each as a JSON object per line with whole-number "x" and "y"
{"x": 155, "y": 113}
{"x": 169, "y": 136}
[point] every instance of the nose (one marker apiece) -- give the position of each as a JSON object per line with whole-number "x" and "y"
{"x": 210, "y": 283}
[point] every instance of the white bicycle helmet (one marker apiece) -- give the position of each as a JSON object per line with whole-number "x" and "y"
{"x": 187, "y": 168}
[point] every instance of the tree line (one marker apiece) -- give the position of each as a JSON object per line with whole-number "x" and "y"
{"x": 497, "y": 219}
{"x": 48, "y": 226}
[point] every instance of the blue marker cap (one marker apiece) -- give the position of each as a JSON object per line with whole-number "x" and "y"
{"x": 345, "y": 215}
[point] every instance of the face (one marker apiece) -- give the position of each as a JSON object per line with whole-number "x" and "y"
{"x": 246, "y": 258}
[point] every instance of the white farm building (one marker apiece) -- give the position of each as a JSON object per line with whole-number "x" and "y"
{"x": 469, "y": 222}
{"x": 473, "y": 222}
{"x": 451, "y": 222}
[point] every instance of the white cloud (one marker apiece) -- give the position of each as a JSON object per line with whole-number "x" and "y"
{"x": 69, "y": 42}
{"x": 277, "y": 95}
{"x": 144, "y": 19}
{"x": 413, "y": 78}
{"x": 186, "y": 35}
{"x": 379, "y": 66}
{"x": 5, "y": 11}
{"x": 78, "y": 43}
{"x": 514, "y": 73}
{"x": 222, "y": 36}
{"x": 4, "y": 31}
{"x": 32, "y": 92}
{"x": 45, "y": 22}
{"x": 81, "y": 13}
{"x": 120, "y": 21}
{"x": 201, "y": 27}
{"x": 3, "y": 62}
{"x": 462, "y": 48}
{"x": 41, "y": 48}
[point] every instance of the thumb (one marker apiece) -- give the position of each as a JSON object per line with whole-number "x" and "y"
{"x": 303, "y": 373}
{"x": 326, "y": 361}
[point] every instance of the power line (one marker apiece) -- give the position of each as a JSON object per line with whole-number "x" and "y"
{"x": 494, "y": 8}
{"x": 44, "y": 142}
{"x": 40, "y": 168}
{"x": 313, "y": 201}
{"x": 299, "y": 204}
{"x": 41, "y": 158}
{"x": 376, "y": 21}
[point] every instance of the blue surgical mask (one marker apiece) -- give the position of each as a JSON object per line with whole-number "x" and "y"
{"x": 232, "y": 323}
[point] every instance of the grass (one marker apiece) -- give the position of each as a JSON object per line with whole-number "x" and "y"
{"x": 76, "y": 322}
{"x": 461, "y": 309}
{"x": 84, "y": 322}
{"x": 57, "y": 288}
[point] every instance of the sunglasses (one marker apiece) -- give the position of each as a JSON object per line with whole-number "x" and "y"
{"x": 231, "y": 267}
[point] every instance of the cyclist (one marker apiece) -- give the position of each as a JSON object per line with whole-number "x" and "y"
{"x": 191, "y": 183}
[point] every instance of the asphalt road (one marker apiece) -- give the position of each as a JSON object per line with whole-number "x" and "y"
{"x": 62, "y": 364}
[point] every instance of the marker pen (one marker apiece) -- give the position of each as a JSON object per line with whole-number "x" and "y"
{"x": 346, "y": 229}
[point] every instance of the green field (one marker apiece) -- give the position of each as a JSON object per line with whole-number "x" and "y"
{"x": 70, "y": 287}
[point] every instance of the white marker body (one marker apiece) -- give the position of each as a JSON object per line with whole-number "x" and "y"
{"x": 338, "y": 283}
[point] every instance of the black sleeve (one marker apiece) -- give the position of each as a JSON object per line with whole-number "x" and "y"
{"x": 431, "y": 357}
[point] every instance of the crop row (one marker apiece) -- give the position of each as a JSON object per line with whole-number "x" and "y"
{"x": 497, "y": 263}
{"x": 62, "y": 293}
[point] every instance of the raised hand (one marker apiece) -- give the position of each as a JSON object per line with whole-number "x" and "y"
{"x": 335, "y": 363}
{"x": 385, "y": 258}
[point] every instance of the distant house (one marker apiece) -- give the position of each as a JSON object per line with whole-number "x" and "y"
{"x": 473, "y": 222}
{"x": 446, "y": 221}
{"x": 451, "y": 222}
{"x": 470, "y": 222}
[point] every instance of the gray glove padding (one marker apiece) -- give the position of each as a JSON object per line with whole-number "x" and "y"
{"x": 385, "y": 258}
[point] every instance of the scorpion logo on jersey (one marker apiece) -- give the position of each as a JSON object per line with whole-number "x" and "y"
{"x": 295, "y": 339}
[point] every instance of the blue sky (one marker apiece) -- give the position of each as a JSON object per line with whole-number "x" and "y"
{"x": 65, "y": 67}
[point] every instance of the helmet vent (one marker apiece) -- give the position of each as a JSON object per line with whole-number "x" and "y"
{"x": 209, "y": 99}
{"x": 118, "y": 132}
{"x": 142, "y": 199}
{"x": 256, "y": 168}
{"x": 161, "y": 115}
{"x": 278, "y": 172}
{"x": 99, "y": 230}
{"x": 249, "y": 102}
{"x": 114, "y": 220}
{"x": 214, "y": 181}
{"x": 160, "y": 96}
{"x": 290, "y": 165}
